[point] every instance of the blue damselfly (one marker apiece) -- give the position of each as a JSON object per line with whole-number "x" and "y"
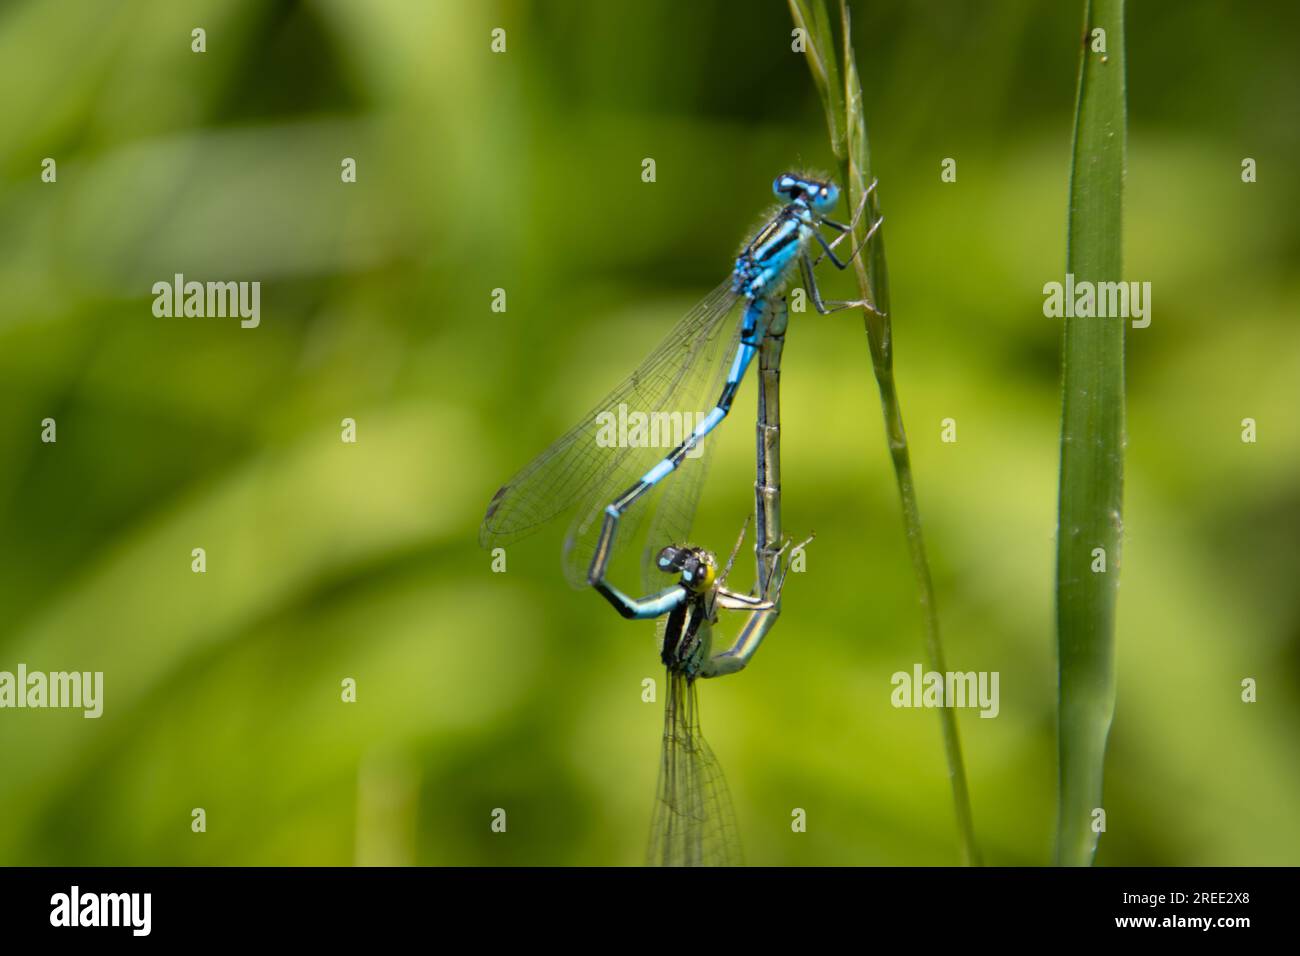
{"x": 693, "y": 362}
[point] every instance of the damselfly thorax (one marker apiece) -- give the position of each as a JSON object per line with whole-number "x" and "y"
{"x": 688, "y": 630}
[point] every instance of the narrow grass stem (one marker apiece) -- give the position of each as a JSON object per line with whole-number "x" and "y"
{"x": 847, "y": 129}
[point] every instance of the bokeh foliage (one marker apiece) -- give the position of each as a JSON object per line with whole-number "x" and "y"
{"x": 522, "y": 171}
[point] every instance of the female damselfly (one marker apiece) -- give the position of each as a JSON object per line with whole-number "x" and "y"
{"x": 694, "y": 823}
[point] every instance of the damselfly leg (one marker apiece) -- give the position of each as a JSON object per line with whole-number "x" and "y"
{"x": 763, "y": 611}
{"x": 808, "y": 265}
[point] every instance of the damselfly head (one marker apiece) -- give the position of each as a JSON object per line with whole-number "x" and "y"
{"x": 820, "y": 195}
{"x": 697, "y": 567}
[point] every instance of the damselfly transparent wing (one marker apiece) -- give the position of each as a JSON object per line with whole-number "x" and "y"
{"x": 583, "y": 466}
{"x": 672, "y": 501}
{"x": 674, "y": 512}
{"x": 694, "y": 823}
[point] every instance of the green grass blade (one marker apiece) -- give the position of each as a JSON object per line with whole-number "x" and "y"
{"x": 846, "y": 124}
{"x": 811, "y": 17}
{"x": 1092, "y": 443}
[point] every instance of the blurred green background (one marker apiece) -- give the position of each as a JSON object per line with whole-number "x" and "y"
{"x": 522, "y": 171}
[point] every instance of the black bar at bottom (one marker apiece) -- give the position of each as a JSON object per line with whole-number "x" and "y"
{"x": 330, "y": 905}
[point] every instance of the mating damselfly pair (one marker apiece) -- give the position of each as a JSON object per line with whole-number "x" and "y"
{"x": 609, "y": 486}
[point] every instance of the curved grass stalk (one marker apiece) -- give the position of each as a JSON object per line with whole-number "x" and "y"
{"x": 848, "y": 134}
